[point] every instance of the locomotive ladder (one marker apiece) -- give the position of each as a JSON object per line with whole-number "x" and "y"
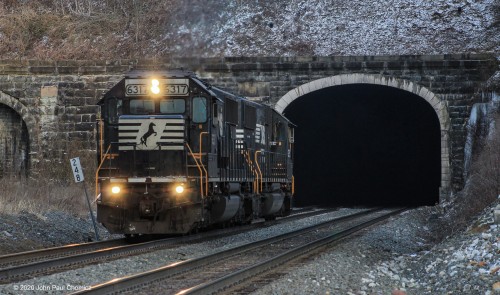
{"x": 103, "y": 157}
{"x": 201, "y": 168}
{"x": 254, "y": 171}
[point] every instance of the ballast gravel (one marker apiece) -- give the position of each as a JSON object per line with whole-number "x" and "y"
{"x": 60, "y": 283}
{"x": 27, "y": 231}
{"x": 393, "y": 259}
{"x": 394, "y": 256}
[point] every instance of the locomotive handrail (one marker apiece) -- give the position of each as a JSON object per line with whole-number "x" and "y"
{"x": 258, "y": 168}
{"x": 201, "y": 143}
{"x": 199, "y": 168}
{"x": 254, "y": 172}
{"x": 250, "y": 164}
{"x": 99, "y": 168}
{"x": 201, "y": 159}
{"x": 101, "y": 135}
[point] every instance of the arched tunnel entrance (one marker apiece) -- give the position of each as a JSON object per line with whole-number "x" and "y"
{"x": 366, "y": 145}
{"x": 14, "y": 144}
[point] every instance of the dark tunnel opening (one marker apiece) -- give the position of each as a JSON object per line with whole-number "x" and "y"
{"x": 14, "y": 144}
{"x": 365, "y": 145}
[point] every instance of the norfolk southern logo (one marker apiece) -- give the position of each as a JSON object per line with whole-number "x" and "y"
{"x": 146, "y": 135}
{"x": 153, "y": 134}
{"x": 149, "y": 134}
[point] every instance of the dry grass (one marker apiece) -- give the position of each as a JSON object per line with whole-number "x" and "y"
{"x": 51, "y": 185}
{"x": 55, "y": 167}
{"x": 481, "y": 190}
{"x": 50, "y": 36}
{"x": 83, "y": 29}
{"x": 40, "y": 196}
{"x": 483, "y": 185}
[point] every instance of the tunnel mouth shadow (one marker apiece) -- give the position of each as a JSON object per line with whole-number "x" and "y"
{"x": 14, "y": 144}
{"x": 365, "y": 145}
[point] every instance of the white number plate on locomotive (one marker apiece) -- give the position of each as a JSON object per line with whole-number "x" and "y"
{"x": 141, "y": 87}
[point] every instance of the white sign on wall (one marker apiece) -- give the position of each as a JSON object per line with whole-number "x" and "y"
{"x": 77, "y": 169}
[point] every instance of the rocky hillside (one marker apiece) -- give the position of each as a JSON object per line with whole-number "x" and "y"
{"x": 110, "y": 29}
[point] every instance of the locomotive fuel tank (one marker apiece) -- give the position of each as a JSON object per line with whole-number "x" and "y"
{"x": 225, "y": 208}
{"x": 272, "y": 203}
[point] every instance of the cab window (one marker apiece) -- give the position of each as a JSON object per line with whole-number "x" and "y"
{"x": 199, "y": 110}
{"x": 172, "y": 106}
{"x": 114, "y": 110}
{"x": 141, "y": 107}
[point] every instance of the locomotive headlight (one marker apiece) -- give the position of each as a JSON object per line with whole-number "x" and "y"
{"x": 179, "y": 189}
{"x": 155, "y": 86}
{"x": 115, "y": 190}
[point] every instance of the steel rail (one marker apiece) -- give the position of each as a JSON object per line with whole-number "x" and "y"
{"x": 19, "y": 272}
{"x": 259, "y": 268}
{"x": 136, "y": 280}
{"x": 13, "y": 259}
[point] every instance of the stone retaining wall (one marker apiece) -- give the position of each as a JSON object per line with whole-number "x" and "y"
{"x": 57, "y": 99}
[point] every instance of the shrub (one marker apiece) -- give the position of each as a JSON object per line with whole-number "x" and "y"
{"x": 481, "y": 189}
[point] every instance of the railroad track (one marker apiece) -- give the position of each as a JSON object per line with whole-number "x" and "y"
{"x": 16, "y": 259}
{"x": 20, "y": 266}
{"x": 218, "y": 271}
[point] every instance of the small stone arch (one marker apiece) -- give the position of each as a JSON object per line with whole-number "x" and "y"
{"x": 437, "y": 104}
{"x": 26, "y": 116}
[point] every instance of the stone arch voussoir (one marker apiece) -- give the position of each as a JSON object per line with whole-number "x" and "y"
{"x": 437, "y": 104}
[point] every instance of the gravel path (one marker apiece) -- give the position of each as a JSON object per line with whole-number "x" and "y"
{"x": 393, "y": 256}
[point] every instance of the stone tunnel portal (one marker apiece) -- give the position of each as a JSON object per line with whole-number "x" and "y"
{"x": 365, "y": 145}
{"x": 14, "y": 144}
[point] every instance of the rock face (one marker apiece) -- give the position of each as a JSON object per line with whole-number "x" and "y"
{"x": 322, "y": 27}
{"x": 248, "y": 28}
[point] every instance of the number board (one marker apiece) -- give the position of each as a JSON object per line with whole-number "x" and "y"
{"x": 172, "y": 87}
{"x": 77, "y": 169}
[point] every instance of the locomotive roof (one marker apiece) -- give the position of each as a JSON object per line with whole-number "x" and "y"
{"x": 214, "y": 91}
{"x": 178, "y": 73}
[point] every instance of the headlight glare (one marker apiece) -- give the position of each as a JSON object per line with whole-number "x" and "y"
{"x": 179, "y": 189}
{"x": 115, "y": 189}
{"x": 155, "y": 86}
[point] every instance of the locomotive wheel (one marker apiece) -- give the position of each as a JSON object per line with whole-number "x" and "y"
{"x": 134, "y": 238}
{"x": 270, "y": 218}
{"x": 194, "y": 230}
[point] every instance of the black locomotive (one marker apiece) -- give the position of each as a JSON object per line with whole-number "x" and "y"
{"x": 176, "y": 155}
